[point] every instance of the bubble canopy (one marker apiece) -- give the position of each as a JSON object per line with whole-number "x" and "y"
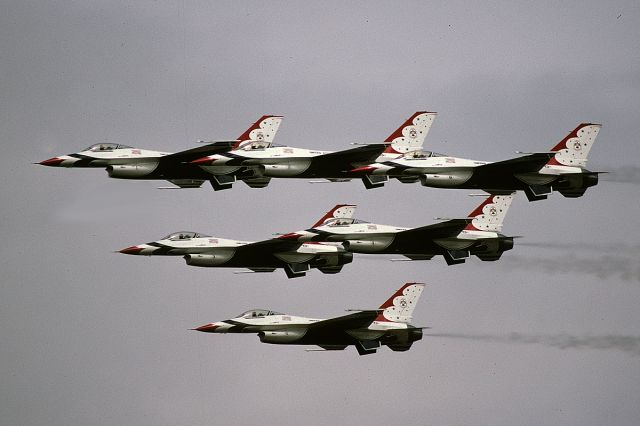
{"x": 342, "y": 221}
{"x": 105, "y": 147}
{"x": 420, "y": 154}
{"x": 257, "y": 313}
{"x": 184, "y": 235}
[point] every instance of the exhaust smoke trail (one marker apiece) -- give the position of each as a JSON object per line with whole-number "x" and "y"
{"x": 624, "y": 174}
{"x": 620, "y": 260}
{"x": 627, "y": 344}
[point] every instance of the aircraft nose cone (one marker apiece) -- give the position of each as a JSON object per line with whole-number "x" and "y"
{"x": 55, "y": 161}
{"x": 207, "y": 328}
{"x": 131, "y": 250}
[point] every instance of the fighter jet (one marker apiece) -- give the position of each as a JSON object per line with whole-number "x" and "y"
{"x": 264, "y": 161}
{"x": 125, "y": 162}
{"x": 455, "y": 239}
{"x": 263, "y": 256}
{"x": 562, "y": 169}
{"x": 366, "y": 330}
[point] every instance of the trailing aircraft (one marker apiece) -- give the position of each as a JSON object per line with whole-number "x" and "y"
{"x": 454, "y": 239}
{"x": 367, "y": 330}
{"x": 258, "y": 162}
{"x": 563, "y": 169}
{"x": 125, "y": 162}
{"x": 295, "y": 257}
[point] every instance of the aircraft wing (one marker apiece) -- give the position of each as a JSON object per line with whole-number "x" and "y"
{"x": 341, "y": 161}
{"x": 445, "y": 229}
{"x": 361, "y": 319}
{"x": 199, "y": 152}
{"x": 524, "y": 164}
{"x": 267, "y": 247}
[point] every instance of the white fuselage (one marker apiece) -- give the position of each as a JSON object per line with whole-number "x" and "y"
{"x": 91, "y": 158}
{"x": 274, "y": 322}
{"x": 273, "y": 161}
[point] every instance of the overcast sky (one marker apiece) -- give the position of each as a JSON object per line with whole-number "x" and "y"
{"x": 546, "y": 335}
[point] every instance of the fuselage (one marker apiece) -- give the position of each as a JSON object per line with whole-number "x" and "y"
{"x": 106, "y": 154}
{"x": 364, "y": 237}
{"x": 204, "y": 250}
{"x": 275, "y": 162}
{"x": 277, "y": 328}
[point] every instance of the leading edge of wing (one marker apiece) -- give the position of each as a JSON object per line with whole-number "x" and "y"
{"x": 200, "y": 151}
{"x": 437, "y": 230}
{"x": 270, "y": 246}
{"x": 526, "y": 163}
{"x": 345, "y": 160}
{"x": 359, "y": 319}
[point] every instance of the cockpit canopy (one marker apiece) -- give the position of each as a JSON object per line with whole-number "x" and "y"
{"x": 184, "y": 235}
{"x": 101, "y": 147}
{"x": 342, "y": 221}
{"x": 258, "y": 313}
{"x": 256, "y": 145}
{"x": 420, "y": 154}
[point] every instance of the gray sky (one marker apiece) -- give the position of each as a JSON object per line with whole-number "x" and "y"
{"x": 548, "y": 334}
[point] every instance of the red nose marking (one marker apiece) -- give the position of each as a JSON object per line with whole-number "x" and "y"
{"x": 207, "y": 328}
{"x": 131, "y": 250}
{"x": 52, "y": 161}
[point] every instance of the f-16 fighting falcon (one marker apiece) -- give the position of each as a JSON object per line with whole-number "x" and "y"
{"x": 263, "y": 256}
{"x": 538, "y": 174}
{"x": 125, "y": 162}
{"x": 366, "y": 330}
{"x": 455, "y": 239}
{"x": 264, "y": 161}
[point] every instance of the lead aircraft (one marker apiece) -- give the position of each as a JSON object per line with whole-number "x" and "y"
{"x": 257, "y": 163}
{"x": 125, "y": 162}
{"x": 562, "y": 169}
{"x": 367, "y": 330}
{"x": 454, "y": 239}
{"x": 263, "y": 256}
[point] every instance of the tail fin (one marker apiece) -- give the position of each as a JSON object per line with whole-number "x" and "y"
{"x": 341, "y": 210}
{"x": 399, "y": 307}
{"x": 574, "y": 148}
{"x": 263, "y": 130}
{"x": 410, "y": 136}
{"x": 489, "y": 215}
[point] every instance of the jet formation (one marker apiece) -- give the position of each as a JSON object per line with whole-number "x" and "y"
{"x": 254, "y": 159}
{"x": 367, "y": 330}
{"x": 330, "y": 243}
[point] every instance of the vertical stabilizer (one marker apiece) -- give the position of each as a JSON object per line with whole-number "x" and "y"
{"x": 263, "y": 130}
{"x": 574, "y": 149}
{"x": 489, "y": 215}
{"x": 341, "y": 211}
{"x": 411, "y": 135}
{"x": 399, "y": 307}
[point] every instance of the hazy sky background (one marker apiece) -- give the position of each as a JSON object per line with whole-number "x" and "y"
{"x": 547, "y": 335}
